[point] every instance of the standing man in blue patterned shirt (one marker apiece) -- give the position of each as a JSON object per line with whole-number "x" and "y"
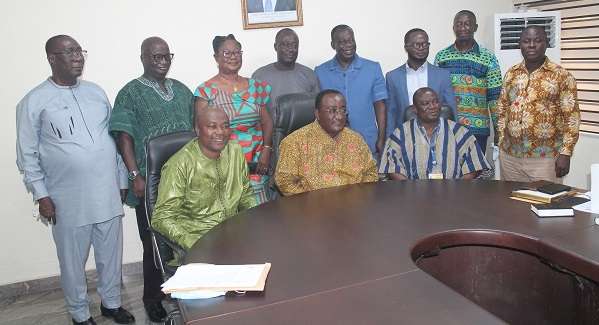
{"x": 362, "y": 83}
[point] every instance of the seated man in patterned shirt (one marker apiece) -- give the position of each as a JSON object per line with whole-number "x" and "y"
{"x": 430, "y": 147}
{"x": 324, "y": 153}
{"x": 204, "y": 183}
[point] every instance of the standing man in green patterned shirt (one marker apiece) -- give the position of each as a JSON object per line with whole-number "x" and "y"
{"x": 204, "y": 183}
{"x": 475, "y": 76}
{"x": 146, "y": 107}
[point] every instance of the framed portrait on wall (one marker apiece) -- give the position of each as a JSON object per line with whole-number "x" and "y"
{"x": 271, "y": 13}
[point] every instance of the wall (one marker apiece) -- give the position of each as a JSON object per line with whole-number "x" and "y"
{"x": 586, "y": 153}
{"x": 112, "y": 30}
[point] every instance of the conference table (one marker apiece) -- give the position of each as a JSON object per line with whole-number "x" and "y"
{"x": 410, "y": 252}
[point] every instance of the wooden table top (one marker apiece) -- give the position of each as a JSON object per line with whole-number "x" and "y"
{"x": 344, "y": 255}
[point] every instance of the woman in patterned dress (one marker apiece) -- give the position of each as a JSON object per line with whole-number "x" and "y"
{"x": 244, "y": 100}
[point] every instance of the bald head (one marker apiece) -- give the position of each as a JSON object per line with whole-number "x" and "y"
{"x": 287, "y": 48}
{"x": 285, "y": 32}
{"x": 156, "y": 58}
{"x": 66, "y": 59}
{"x": 54, "y": 42}
{"x": 212, "y": 128}
{"x": 150, "y": 42}
{"x": 201, "y": 113}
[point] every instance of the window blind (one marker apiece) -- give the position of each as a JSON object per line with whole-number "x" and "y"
{"x": 579, "y": 51}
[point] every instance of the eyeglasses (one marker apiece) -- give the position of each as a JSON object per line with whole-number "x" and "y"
{"x": 336, "y": 110}
{"x": 420, "y": 45}
{"x": 72, "y": 52}
{"x": 159, "y": 57}
{"x": 229, "y": 54}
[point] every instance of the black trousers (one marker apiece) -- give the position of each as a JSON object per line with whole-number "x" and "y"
{"x": 152, "y": 276}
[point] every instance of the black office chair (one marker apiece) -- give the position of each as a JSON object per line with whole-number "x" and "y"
{"x": 158, "y": 151}
{"x": 410, "y": 113}
{"x": 292, "y": 112}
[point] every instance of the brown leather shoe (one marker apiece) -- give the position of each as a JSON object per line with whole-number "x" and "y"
{"x": 119, "y": 315}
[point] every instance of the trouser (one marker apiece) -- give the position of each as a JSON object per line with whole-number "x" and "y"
{"x": 152, "y": 275}
{"x": 482, "y": 142}
{"x": 527, "y": 169}
{"x": 72, "y": 247}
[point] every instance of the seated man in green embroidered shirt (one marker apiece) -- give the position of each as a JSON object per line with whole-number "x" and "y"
{"x": 204, "y": 183}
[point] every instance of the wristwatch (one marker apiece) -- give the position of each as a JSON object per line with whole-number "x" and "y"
{"x": 133, "y": 174}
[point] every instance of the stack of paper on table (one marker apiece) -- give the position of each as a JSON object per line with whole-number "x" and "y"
{"x": 208, "y": 280}
{"x": 541, "y": 192}
{"x": 536, "y": 196}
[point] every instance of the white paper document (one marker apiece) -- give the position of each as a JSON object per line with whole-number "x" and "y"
{"x": 200, "y": 294}
{"x": 211, "y": 277}
{"x": 586, "y": 206}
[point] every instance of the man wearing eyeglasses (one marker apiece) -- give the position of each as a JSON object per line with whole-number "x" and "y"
{"x": 149, "y": 106}
{"x": 324, "y": 153}
{"x": 416, "y": 73}
{"x": 70, "y": 165}
{"x": 431, "y": 147}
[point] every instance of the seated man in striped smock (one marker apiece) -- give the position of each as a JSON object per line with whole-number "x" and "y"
{"x": 430, "y": 147}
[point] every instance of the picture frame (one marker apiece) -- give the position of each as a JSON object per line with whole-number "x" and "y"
{"x": 285, "y": 13}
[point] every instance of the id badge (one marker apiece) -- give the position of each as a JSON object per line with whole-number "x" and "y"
{"x": 435, "y": 176}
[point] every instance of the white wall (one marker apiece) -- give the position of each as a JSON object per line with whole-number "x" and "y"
{"x": 112, "y": 30}
{"x": 586, "y": 153}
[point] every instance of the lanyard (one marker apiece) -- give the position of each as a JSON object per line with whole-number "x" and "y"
{"x": 432, "y": 143}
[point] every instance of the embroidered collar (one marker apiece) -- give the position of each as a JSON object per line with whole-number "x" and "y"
{"x": 167, "y": 95}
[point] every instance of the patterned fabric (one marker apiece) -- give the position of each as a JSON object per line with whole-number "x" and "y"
{"x": 476, "y": 80}
{"x": 452, "y": 151}
{"x": 141, "y": 111}
{"x": 197, "y": 193}
{"x": 538, "y": 112}
{"x": 243, "y": 108}
{"x": 310, "y": 159}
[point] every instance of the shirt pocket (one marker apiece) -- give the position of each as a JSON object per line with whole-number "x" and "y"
{"x": 59, "y": 123}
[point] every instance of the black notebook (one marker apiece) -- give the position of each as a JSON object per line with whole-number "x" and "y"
{"x": 553, "y": 188}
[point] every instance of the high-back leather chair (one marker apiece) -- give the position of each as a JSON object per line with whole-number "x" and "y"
{"x": 158, "y": 151}
{"x": 292, "y": 112}
{"x": 446, "y": 113}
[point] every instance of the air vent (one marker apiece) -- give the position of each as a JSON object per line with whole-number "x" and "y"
{"x": 511, "y": 28}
